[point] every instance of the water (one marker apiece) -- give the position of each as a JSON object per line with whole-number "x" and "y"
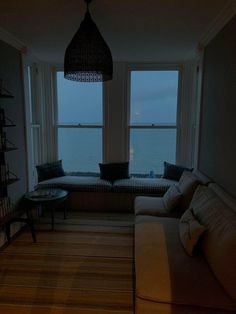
{"x": 81, "y": 149}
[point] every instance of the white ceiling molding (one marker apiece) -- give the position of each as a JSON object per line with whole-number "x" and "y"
{"x": 218, "y": 23}
{"x": 12, "y": 40}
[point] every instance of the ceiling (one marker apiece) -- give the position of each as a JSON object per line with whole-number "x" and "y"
{"x": 135, "y": 30}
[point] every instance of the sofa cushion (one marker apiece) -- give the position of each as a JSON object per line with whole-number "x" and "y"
{"x": 172, "y": 198}
{"x": 114, "y": 171}
{"x": 50, "y": 170}
{"x": 173, "y": 172}
{"x": 148, "y": 205}
{"x": 190, "y": 231}
{"x": 75, "y": 183}
{"x": 219, "y": 241}
{"x": 201, "y": 177}
{"x": 157, "y": 186}
{"x": 224, "y": 196}
{"x": 165, "y": 273}
{"x": 187, "y": 186}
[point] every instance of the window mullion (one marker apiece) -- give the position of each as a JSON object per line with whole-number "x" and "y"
{"x": 153, "y": 126}
{"x": 79, "y": 126}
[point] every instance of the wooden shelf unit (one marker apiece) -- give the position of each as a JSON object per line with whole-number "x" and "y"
{"x": 7, "y": 212}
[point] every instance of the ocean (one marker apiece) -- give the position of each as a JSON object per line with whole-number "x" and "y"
{"x": 81, "y": 149}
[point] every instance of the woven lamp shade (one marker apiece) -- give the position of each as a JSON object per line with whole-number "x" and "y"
{"x": 88, "y": 57}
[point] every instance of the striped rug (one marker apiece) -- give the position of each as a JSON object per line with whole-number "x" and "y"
{"x": 85, "y": 266}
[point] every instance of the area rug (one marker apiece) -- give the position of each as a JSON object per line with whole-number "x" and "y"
{"x": 85, "y": 266}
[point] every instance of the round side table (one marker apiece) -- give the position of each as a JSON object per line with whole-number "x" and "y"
{"x": 49, "y": 198}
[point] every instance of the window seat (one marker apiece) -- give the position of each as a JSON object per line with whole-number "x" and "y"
{"x": 93, "y": 193}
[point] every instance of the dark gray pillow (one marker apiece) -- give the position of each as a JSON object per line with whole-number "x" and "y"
{"x": 114, "y": 171}
{"x": 173, "y": 172}
{"x": 50, "y": 170}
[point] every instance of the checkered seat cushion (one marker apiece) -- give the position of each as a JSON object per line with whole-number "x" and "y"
{"x": 157, "y": 186}
{"x": 77, "y": 183}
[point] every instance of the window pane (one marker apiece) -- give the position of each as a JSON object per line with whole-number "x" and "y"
{"x": 78, "y": 103}
{"x": 153, "y": 97}
{"x": 149, "y": 148}
{"x": 80, "y": 149}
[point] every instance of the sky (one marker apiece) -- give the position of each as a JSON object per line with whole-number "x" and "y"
{"x": 153, "y": 99}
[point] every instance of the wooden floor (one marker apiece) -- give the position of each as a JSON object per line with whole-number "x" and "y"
{"x": 85, "y": 266}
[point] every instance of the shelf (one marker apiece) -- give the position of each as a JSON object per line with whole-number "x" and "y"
{"x": 6, "y": 96}
{"x": 4, "y": 93}
{"x": 10, "y": 215}
{"x": 7, "y": 125}
{"x": 9, "y": 182}
{"x": 8, "y": 149}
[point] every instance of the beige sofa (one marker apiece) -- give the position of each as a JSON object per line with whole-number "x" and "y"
{"x": 155, "y": 205}
{"x": 168, "y": 280}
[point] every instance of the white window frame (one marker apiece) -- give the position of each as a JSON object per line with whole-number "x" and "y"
{"x": 33, "y": 99}
{"x": 75, "y": 125}
{"x": 156, "y": 67}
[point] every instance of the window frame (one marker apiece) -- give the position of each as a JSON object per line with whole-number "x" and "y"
{"x": 75, "y": 125}
{"x": 155, "y": 67}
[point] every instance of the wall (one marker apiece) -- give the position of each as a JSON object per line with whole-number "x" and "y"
{"x": 217, "y": 149}
{"x": 10, "y": 71}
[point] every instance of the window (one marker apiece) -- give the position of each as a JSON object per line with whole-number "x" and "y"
{"x": 153, "y": 120}
{"x": 79, "y": 125}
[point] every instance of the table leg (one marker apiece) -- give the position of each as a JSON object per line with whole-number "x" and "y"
{"x": 52, "y": 216}
{"x": 8, "y": 231}
{"x": 30, "y": 222}
{"x": 65, "y": 208}
{"x": 31, "y": 226}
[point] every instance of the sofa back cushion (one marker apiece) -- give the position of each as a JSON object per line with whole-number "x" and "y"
{"x": 224, "y": 196}
{"x": 201, "y": 177}
{"x": 187, "y": 186}
{"x": 219, "y": 241}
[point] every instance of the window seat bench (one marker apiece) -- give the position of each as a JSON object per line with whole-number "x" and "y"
{"x": 93, "y": 193}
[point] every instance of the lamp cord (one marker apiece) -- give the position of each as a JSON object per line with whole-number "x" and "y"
{"x": 87, "y": 3}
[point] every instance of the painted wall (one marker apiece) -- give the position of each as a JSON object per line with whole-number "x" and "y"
{"x": 217, "y": 152}
{"x": 10, "y": 72}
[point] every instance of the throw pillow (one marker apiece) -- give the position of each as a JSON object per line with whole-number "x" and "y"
{"x": 173, "y": 172}
{"x": 171, "y": 198}
{"x": 50, "y": 170}
{"x": 190, "y": 231}
{"x": 114, "y": 171}
{"x": 187, "y": 186}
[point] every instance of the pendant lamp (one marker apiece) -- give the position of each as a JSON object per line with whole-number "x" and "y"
{"x": 88, "y": 57}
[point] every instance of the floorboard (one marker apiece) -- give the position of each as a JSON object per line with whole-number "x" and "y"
{"x": 85, "y": 266}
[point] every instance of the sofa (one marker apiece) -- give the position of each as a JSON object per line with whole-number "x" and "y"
{"x": 168, "y": 279}
{"x": 154, "y": 205}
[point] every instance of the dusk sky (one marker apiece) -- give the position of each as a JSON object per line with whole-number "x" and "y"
{"x": 153, "y": 98}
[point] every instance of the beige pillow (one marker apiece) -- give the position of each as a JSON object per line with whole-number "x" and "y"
{"x": 219, "y": 243}
{"x": 190, "y": 231}
{"x": 171, "y": 198}
{"x": 187, "y": 186}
